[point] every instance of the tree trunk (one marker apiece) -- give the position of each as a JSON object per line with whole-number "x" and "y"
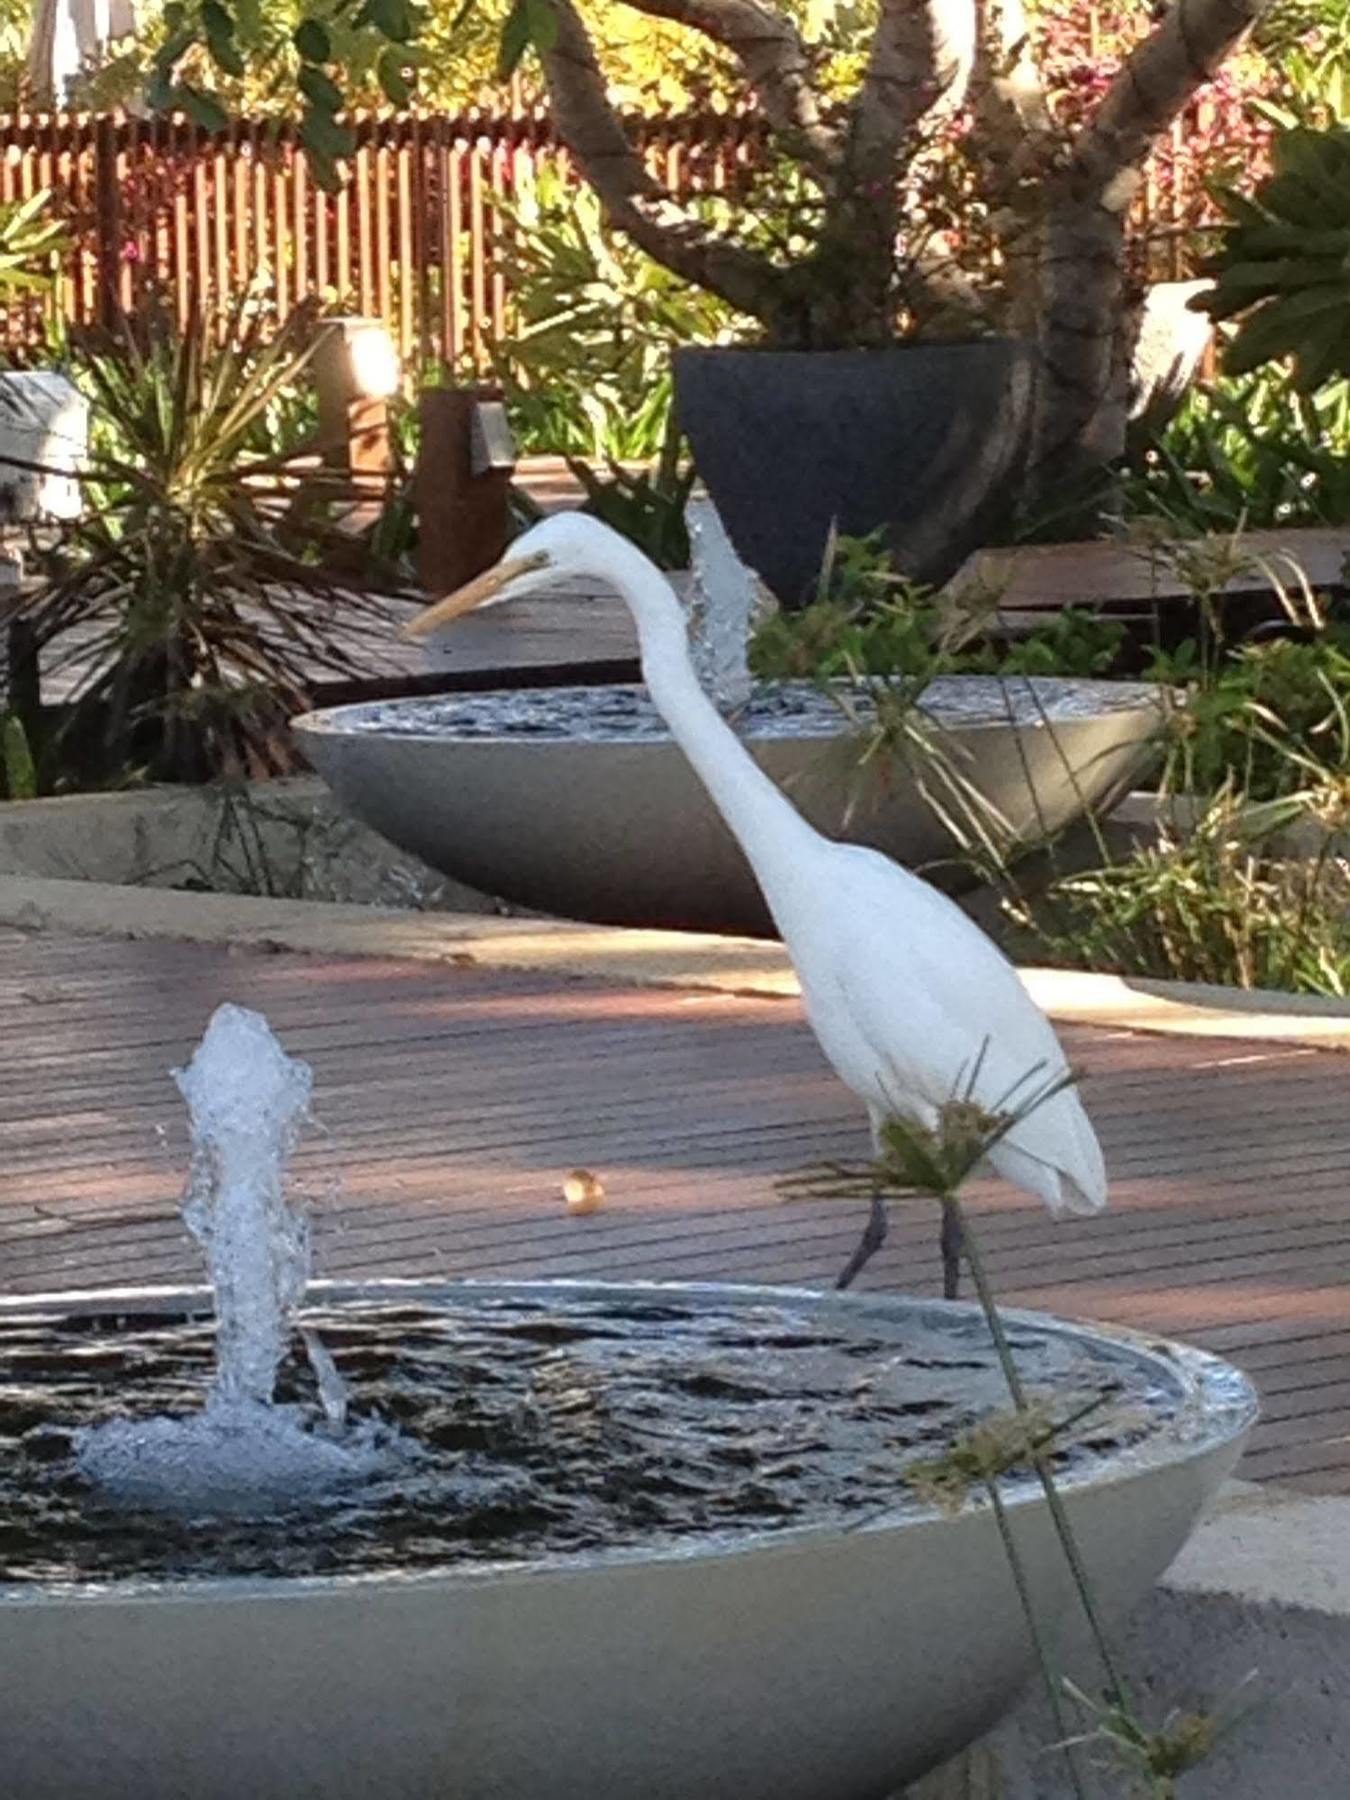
{"x": 1082, "y": 355}
{"x": 843, "y": 295}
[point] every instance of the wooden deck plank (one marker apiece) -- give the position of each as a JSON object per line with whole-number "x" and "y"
{"x": 453, "y": 1101}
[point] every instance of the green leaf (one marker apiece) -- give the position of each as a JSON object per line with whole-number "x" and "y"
{"x": 1260, "y": 338}
{"x": 529, "y": 24}
{"x": 203, "y": 108}
{"x": 248, "y": 22}
{"x": 321, "y": 134}
{"x": 515, "y": 40}
{"x": 311, "y": 39}
{"x": 174, "y": 48}
{"x": 20, "y": 773}
{"x": 394, "y": 19}
{"x": 1309, "y": 302}
{"x": 1249, "y": 281}
{"x": 393, "y": 79}
{"x": 1323, "y": 351}
{"x": 543, "y": 16}
{"x": 226, "y": 57}
{"x": 1278, "y": 116}
{"x": 323, "y": 169}
{"x": 322, "y": 92}
{"x": 220, "y": 25}
{"x": 161, "y": 93}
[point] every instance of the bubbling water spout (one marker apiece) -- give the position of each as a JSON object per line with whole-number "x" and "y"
{"x": 247, "y": 1101}
{"x": 726, "y": 602}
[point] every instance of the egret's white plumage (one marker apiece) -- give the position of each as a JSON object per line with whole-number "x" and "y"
{"x": 910, "y": 1000}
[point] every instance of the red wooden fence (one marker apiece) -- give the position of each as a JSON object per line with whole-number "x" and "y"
{"x": 159, "y": 209}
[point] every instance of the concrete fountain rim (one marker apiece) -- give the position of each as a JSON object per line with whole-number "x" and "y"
{"x": 1219, "y": 1405}
{"x": 1127, "y": 697}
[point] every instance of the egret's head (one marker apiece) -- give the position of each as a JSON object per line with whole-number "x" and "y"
{"x": 565, "y": 545}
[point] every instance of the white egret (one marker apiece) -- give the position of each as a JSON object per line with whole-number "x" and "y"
{"x": 910, "y": 1001}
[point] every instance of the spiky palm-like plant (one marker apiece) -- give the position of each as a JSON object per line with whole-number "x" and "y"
{"x": 196, "y": 599}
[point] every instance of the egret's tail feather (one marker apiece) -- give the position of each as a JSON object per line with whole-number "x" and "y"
{"x": 1029, "y": 1173}
{"x": 1076, "y": 1199}
{"x": 1062, "y": 1192}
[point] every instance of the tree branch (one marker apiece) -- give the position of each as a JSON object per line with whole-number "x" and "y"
{"x": 776, "y": 64}
{"x": 1011, "y": 139}
{"x": 921, "y": 59}
{"x": 1155, "y": 82}
{"x": 1007, "y": 83}
{"x": 594, "y": 134}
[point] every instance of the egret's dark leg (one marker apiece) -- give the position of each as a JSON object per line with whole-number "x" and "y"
{"x": 873, "y": 1237}
{"x": 952, "y": 1244}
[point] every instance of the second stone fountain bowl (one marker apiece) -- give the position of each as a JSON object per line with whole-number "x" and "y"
{"x": 576, "y": 801}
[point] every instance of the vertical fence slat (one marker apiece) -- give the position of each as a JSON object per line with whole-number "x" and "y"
{"x": 451, "y": 223}
{"x": 421, "y": 249}
{"x": 181, "y": 143}
{"x": 321, "y": 212}
{"x": 384, "y": 290}
{"x": 221, "y": 287}
{"x": 342, "y": 275}
{"x": 108, "y": 219}
{"x": 263, "y": 266}
{"x": 405, "y": 261}
{"x": 202, "y": 229}
{"x": 365, "y": 229}
{"x": 146, "y": 175}
{"x": 301, "y": 222}
{"x": 478, "y": 229}
{"x": 282, "y": 264}
{"x": 239, "y": 196}
{"x": 81, "y": 203}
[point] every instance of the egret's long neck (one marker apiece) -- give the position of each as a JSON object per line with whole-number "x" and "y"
{"x": 769, "y": 828}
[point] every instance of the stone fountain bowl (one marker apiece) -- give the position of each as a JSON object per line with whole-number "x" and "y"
{"x": 822, "y": 1663}
{"x": 577, "y": 803}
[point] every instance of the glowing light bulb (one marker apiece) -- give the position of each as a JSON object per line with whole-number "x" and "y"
{"x": 376, "y": 370}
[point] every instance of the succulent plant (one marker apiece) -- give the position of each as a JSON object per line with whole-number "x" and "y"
{"x": 1283, "y": 271}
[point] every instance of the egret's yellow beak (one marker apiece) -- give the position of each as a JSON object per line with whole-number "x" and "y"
{"x": 493, "y": 583}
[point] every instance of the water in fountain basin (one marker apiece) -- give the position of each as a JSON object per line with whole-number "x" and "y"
{"x": 247, "y": 1101}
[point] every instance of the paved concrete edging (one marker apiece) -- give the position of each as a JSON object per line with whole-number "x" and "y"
{"x": 645, "y": 958}
{"x": 1190, "y": 1008}
{"x": 649, "y": 958}
{"x": 1252, "y": 1621}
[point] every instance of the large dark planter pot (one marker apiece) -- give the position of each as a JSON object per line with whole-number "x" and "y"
{"x": 920, "y": 439}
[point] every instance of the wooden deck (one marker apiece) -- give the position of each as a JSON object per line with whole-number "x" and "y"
{"x": 453, "y": 1101}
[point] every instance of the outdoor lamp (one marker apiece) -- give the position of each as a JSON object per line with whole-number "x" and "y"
{"x": 376, "y": 371}
{"x": 356, "y": 373}
{"x": 356, "y": 360}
